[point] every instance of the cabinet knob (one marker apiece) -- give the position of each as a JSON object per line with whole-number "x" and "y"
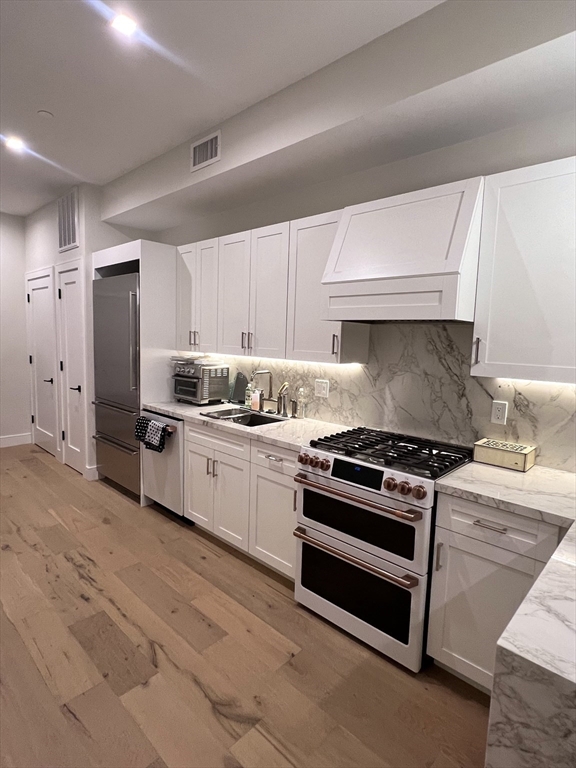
{"x": 404, "y": 487}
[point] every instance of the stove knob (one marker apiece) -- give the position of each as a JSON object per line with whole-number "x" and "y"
{"x": 303, "y": 458}
{"x": 404, "y": 487}
{"x": 314, "y": 461}
{"x": 419, "y": 492}
{"x": 325, "y": 465}
{"x": 390, "y": 484}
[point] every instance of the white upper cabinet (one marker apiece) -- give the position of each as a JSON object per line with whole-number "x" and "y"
{"x": 310, "y": 336}
{"x": 233, "y": 293}
{"x": 525, "y": 324}
{"x": 269, "y": 291}
{"x": 206, "y": 296}
{"x": 186, "y": 304}
{"x": 407, "y": 257}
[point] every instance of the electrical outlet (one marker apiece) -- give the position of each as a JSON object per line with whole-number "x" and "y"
{"x": 321, "y": 387}
{"x": 499, "y": 412}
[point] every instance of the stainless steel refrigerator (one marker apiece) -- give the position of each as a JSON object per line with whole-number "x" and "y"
{"x": 116, "y": 378}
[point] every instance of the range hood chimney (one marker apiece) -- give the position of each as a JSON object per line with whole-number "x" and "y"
{"x": 408, "y": 257}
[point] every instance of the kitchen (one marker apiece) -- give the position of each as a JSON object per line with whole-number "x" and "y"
{"x": 387, "y": 310}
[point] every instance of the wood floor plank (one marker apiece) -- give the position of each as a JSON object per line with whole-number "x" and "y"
{"x": 309, "y": 673}
{"x": 259, "y": 749}
{"x": 196, "y": 628}
{"x": 108, "y": 731}
{"x": 179, "y": 737}
{"x": 109, "y": 554}
{"x": 114, "y": 654}
{"x": 33, "y": 731}
{"x": 58, "y": 539}
{"x": 66, "y": 668}
{"x": 341, "y": 749}
{"x": 19, "y": 594}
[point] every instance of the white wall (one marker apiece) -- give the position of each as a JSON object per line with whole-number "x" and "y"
{"x": 527, "y": 144}
{"x": 14, "y": 370}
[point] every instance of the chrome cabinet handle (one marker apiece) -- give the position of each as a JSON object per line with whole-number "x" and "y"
{"x": 112, "y": 444}
{"x": 196, "y": 338}
{"x": 496, "y": 528}
{"x": 250, "y": 339}
{"x": 214, "y": 466}
{"x": 77, "y": 389}
{"x": 438, "y": 550}
{"x": 334, "y": 343}
{"x": 243, "y": 339}
{"x": 476, "y": 350}
{"x": 274, "y": 458}
{"x": 133, "y": 309}
{"x": 295, "y": 499}
{"x": 412, "y": 516}
{"x": 190, "y": 338}
{"x": 208, "y": 469}
{"x": 407, "y": 581}
{"x": 49, "y": 381}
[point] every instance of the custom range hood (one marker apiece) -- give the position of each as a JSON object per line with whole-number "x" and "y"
{"x": 408, "y": 257}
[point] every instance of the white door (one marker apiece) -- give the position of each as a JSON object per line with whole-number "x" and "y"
{"x": 231, "y": 498}
{"x": 233, "y": 293}
{"x": 476, "y": 589}
{"x": 207, "y": 296}
{"x": 310, "y": 336}
{"x": 273, "y": 518}
{"x": 198, "y": 485}
{"x": 186, "y": 277}
{"x": 525, "y": 318}
{"x": 269, "y": 291}
{"x": 70, "y": 309}
{"x": 43, "y": 358}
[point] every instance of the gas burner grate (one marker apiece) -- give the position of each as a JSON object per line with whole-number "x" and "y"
{"x": 426, "y": 458}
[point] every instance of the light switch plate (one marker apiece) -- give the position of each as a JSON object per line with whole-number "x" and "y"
{"x": 321, "y": 387}
{"x": 499, "y": 412}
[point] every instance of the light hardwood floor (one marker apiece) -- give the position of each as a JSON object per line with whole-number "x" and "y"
{"x": 131, "y": 640}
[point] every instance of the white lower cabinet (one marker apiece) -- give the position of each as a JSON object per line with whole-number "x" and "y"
{"x": 198, "y": 487}
{"x": 231, "y": 477}
{"x": 272, "y": 518}
{"x": 476, "y": 589}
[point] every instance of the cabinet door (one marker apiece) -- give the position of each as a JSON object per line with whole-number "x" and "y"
{"x": 231, "y": 499}
{"x": 207, "y": 296}
{"x": 186, "y": 278}
{"x": 525, "y": 318}
{"x": 476, "y": 589}
{"x": 269, "y": 291}
{"x": 233, "y": 293}
{"x": 273, "y": 519}
{"x": 198, "y": 485}
{"x": 310, "y": 336}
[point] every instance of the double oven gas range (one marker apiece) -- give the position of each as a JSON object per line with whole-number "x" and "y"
{"x": 366, "y": 513}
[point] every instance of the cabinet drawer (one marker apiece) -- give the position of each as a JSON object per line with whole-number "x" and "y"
{"x": 507, "y": 530}
{"x": 272, "y": 457}
{"x": 233, "y": 445}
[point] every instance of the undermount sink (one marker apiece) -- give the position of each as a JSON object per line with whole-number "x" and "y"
{"x": 245, "y": 417}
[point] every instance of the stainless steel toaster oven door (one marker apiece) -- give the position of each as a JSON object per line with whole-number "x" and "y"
{"x": 187, "y": 389}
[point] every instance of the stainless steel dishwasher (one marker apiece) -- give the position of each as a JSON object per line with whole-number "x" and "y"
{"x": 163, "y": 473}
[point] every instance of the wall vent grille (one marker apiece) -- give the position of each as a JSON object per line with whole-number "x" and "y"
{"x": 205, "y": 152}
{"x": 68, "y": 234}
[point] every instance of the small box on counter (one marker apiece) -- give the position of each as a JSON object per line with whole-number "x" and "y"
{"x": 507, "y": 455}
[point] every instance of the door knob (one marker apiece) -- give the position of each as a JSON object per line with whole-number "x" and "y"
{"x": 77, "y": 389}
{"x": 49, "y": 381}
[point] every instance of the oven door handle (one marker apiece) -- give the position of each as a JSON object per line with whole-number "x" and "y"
{"x": 412, "y": 517}
{"x": 407, "y": 581}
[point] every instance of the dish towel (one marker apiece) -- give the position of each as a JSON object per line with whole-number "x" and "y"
{"x": 152, "y": 433}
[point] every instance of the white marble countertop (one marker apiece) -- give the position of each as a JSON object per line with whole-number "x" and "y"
{"x": 288, "y": 433}
{"x": 541, "y": 493}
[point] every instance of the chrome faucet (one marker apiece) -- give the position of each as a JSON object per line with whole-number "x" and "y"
{"x": 259, "y": 373}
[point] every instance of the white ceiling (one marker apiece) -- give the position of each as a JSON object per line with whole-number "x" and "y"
{"x": 118, "y": 104}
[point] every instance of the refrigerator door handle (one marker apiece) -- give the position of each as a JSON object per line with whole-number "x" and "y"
{"x": 133, "y": 341}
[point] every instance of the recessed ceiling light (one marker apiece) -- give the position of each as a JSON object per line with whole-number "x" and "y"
{"x": 124, "y": 24}
{"x": 15, "y": 144}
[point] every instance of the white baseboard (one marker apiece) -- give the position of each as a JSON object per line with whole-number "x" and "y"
{"x": 90, "y": 473}
{"x": 7, "y": 441}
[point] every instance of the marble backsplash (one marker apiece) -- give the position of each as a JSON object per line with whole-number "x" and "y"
{"x": 417, "y": 381}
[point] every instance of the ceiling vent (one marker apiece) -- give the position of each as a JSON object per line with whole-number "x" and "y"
{"x": 205, "y": 152}
{"x": 68, "y": 221}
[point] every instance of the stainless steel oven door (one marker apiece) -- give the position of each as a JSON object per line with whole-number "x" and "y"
{"x": 385, "y": 528}
{"x": 370, "y": 598}
{"x": 188, "y": 389}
